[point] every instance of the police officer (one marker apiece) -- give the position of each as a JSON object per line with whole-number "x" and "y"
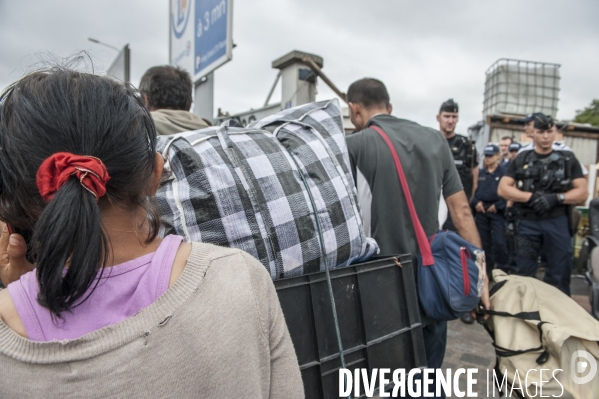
{"x": 504, "y": 146}
{"x": 557, "y": 145}
{"x": 542, "y": 182}
{"x": 463, "y": 150}
{"x": 514, "y": 148}
{"x": 489, "y": 209}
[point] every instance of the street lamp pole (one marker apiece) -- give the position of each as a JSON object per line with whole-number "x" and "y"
{"x": 102, "y": 43}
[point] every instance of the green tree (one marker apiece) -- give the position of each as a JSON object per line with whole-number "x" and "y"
{"x": 589, "y": 115}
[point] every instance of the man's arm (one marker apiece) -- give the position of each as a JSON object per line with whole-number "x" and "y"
{"x": 458, "y": 207}
{"x": 578, "y": 193}
{"x": 474, "y": 168}
{"x": 507, "y": 189}
{"x": 586, "y": 182}
{"x": 354, "y": 145}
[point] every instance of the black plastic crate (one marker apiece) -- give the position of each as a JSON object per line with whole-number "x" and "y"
{"x": 379, "y": 320}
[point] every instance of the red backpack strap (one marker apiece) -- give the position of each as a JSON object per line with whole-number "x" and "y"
{"x": 423, "y": 244}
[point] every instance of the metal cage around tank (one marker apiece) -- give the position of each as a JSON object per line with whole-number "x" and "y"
{"x": 519, "y": 87}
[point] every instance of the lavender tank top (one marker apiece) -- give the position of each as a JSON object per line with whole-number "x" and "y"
{"x": 123, "y": 291}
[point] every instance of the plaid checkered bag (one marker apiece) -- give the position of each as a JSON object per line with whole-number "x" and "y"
{"x": 280, "y": 190}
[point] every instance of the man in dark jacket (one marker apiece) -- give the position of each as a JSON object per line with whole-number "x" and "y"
{"x": 464, "y": 156}
{"x": 543, "y": 182}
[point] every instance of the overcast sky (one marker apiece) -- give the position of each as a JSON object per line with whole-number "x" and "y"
{"x": 425, "y": 51}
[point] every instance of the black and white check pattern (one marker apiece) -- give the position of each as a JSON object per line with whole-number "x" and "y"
{"x": 261, "y": 188}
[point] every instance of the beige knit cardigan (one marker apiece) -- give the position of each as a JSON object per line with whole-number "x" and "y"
{"x": 218, "y": 332}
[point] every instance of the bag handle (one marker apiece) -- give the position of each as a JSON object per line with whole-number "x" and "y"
{"x": 423, "y": 244}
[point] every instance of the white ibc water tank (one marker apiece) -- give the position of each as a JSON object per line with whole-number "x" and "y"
{"x": 517, "y": 87}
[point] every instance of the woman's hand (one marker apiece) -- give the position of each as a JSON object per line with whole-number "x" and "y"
{"x": 13, "y": 263}
{"x": 480, "y": 207}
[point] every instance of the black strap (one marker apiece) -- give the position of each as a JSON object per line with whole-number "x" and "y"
{"x": 497, "y": 287}
{"x": 505, "y": 352}
{"x": 521, "y": 315}
{"x": 543, "y": 357}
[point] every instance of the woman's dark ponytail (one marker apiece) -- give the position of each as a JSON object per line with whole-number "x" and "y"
{"x": 64, "y": 111}
{"x": 67, "y": 234}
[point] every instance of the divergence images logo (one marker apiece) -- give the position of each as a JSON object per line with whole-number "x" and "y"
{"x": 580, "y": 363}
{"x": 180, "y": 11}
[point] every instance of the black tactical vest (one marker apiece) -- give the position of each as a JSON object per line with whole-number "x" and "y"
{"x": 547, "y": 175}
{"x": 463, "y": 156}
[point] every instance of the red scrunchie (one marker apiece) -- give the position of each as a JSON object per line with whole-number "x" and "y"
{"x": 59, "y": 167}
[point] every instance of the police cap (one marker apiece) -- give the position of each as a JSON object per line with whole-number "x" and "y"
{"x": 531, "y": 117}
{"x": 449, "y": 106}
{"x": 515, "y": 147}
{"x": 491, "y": 149}
{"x": 543, "y": 122}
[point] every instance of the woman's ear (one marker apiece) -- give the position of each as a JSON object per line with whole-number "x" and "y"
{"x": 157, "y": 173}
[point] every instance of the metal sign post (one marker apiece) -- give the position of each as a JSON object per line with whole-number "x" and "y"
{"x": 200, "y": 41}
{"x": 203, "y": 97}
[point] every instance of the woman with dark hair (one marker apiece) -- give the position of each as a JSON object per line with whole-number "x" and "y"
{"x": 111, "y": 309}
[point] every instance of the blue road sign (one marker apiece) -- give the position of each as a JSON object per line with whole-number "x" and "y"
{"x": 204, "y": 43}
{"x": 211, "y": 33}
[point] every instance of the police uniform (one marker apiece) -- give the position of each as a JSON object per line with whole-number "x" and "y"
{"x": 491, "y": 226}
{"x": 464, "y": 157}
{"x": 545, "y": 232}
{"x": 557, "y": 146}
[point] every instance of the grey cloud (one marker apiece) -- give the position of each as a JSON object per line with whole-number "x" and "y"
{"x": 425, "y": 51}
